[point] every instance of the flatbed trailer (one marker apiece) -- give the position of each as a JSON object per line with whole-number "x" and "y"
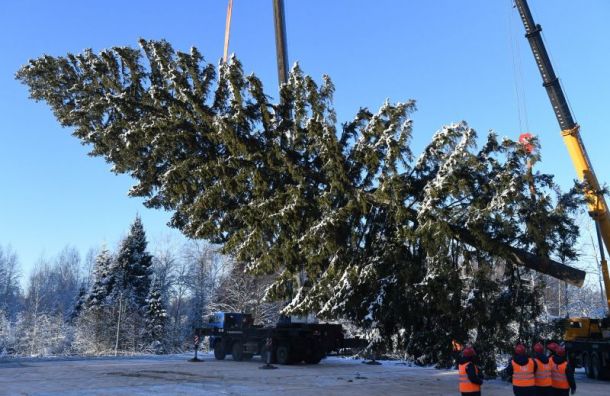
{"x": 289, "y": 343}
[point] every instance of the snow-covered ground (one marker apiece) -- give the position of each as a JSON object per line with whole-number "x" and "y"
{"x": 174, "y": 375}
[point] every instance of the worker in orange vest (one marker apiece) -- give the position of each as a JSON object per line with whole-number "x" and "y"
{"x": 562, "y": 373}
{"x": 542, "y": 376}
{"x": 470, "y": 375}
{"x": 523, "y": 370}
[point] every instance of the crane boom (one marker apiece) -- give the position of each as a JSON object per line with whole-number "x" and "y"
{"x": 570, "y": 131}
{"x": 550, "y": 80}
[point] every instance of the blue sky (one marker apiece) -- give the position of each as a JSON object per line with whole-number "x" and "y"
{"x": 453, "y": 57}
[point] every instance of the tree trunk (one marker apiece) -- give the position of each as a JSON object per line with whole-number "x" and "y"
{"x": 118, "y": 326}
{"x": 522, "y": 258}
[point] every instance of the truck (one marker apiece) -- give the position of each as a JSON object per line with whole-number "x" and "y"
{"x": 587, "y": 340}
{"x": 235, "y": 334}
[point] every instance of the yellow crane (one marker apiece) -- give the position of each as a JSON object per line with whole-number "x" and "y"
{"x": 587, "y": 340}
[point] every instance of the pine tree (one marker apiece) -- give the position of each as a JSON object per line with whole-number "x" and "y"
{"x": 79, "y": 304}
{"x": 10, "y": 292}
{"x": 419, "y": 250}
{"x": 94, "y": 333}
{"x": 156, "y": 315}
{"x": 133, "y": 265}
{"x": 103, "y": 280}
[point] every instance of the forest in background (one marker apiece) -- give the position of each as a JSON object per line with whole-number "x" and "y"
{"x": 121, "y": 301}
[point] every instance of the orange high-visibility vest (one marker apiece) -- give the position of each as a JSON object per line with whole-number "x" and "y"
{"x": 465, "y": 384}
{"x": 543, "y": 374}
{"x": 558, "y": 375}
{"x": 523, "y": 376}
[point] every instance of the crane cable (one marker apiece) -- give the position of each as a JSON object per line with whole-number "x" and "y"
{"x": 518, "y": 79}
{"x": 227, "y": 31}
{"x": 525, "y": 137}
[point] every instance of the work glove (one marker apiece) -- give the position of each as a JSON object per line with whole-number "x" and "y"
{"x": 573, "y": 390}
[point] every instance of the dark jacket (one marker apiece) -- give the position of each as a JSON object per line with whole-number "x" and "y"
{"x": 569, "y": 370}
{"x": 542, "y": 357}
{"x": 471, "y": 371}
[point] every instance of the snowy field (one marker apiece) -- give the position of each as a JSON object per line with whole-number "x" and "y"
{"x": 174, "y": 375}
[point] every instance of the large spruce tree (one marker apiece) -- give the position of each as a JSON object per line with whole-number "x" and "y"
{"x": 378, "y": 232}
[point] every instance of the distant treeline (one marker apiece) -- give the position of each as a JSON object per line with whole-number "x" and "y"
{"x": 124, "y": 301}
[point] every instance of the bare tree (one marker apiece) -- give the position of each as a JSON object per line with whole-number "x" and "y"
{"x": 239, "y": 291}
{"x": 205, "y": 268}
{"x": 51, "y": 293}
{"x": 165, "y": 266}
{"x": 37, "y": 302}
{"x": 88, "y": 267}
{"x": 563, "y": 300}
{"x": 10, "y": 292}
{"x": 67, "y": 278}
{"x": 6, "y": 335}
{"x": 178, "y": 301}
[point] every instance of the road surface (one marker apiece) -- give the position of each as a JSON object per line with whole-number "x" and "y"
{"x": 174, "y": 375}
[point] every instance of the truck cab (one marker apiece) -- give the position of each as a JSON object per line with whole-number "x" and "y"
{"x": 229, "y": 320}
{"x": 227, "y": 323}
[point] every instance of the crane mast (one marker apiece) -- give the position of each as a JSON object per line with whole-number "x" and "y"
{"x": 280, "y": 41}
{"x": 570, "y": 131}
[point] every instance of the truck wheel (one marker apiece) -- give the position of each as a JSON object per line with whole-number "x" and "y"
{"x": 596, "y": 366}
{"x": 283, "y": 354}
{"x": 315, "y": 354}
{"x": 586, "y": 363}
{"x": 238, "y": 351}
{"x": 219, "y": 351}
{"x": 314, "y": 359}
